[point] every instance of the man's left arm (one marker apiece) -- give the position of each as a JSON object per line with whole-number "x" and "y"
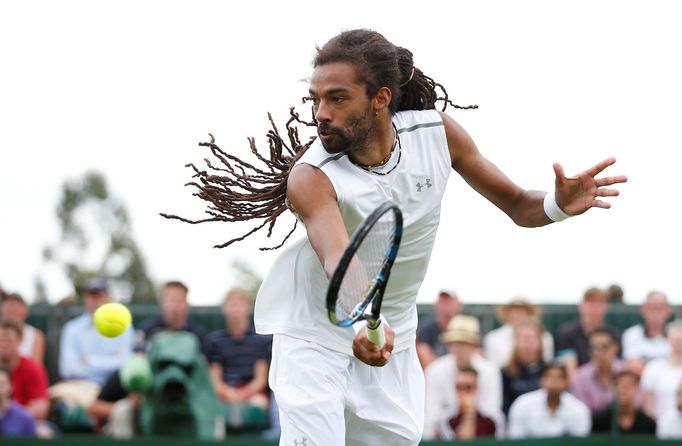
{"x": 572, "y": 195}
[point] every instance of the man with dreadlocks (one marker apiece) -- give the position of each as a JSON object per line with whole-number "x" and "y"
{"x": 380, "y": 138}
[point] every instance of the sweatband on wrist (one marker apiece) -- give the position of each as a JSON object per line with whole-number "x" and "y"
{"x": 552, "y": 209}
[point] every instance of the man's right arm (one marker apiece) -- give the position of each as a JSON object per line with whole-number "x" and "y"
{"x": 312, "y": 196}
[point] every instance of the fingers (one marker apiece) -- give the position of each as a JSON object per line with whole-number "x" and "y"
{"x": 608, "y": 181}
{"x": 607, "y": 193}
{"x": 558, "y": 173}
{"x": 594, "y": 171}
{"x": 601, "y": 204}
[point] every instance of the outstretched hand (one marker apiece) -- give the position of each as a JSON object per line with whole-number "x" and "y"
{"x": 576, "y": 194}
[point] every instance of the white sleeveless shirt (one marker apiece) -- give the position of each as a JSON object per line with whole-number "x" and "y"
{"x": 291, "y": 299}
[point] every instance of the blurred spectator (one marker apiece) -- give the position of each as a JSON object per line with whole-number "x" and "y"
{"x": 429, "y": 346}
{"x": 623, "y": 416}
{"x": 240, "y": 360}
{"x": 499, "y": 343}
{"x": 647, "y": 341}
{"x": 29, "y": 377}
{"x": 86, "y": 358}
{"x": 572, "y": 343}
{"x": 33, "y": 340}
{"x": 462, "y": 338}
{"x": 615, "y": 293}
{"x": 549, "y": 411}
{"x": 662, "y": 376}
{"x": 14, "y": 419}
{"x": 523, "y": 371}
{"x": 175, "y": 315}
{"x": 669, "y": 425}
{"x": 593, "y": 382}
{"x": 467, "y": 422}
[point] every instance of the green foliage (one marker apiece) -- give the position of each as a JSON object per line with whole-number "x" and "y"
{"x": 96, "y": 240}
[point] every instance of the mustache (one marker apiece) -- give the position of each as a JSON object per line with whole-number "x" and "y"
{"x": 325, "y": 127}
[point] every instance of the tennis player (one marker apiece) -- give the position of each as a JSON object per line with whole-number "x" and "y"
{"x": 380, "y": 138}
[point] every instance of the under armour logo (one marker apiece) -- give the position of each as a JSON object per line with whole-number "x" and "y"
{"x": 302, "y": 442}
{"x": 427, "y": 183}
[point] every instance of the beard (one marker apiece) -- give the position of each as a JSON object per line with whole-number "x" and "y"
{"x": 353, "y": 136}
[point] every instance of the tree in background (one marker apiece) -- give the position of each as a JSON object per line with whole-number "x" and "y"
{"x": 246, "y": 277}
{"x": 96, "y": 240}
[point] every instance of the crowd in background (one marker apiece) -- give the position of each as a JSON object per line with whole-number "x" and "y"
{"x": 519, "y": 381}
{"x": 515, "y": 381}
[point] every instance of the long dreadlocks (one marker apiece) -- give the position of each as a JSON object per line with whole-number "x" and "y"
{"x": 241, "y": 191}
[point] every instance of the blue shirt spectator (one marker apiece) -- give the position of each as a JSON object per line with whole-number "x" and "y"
{"x": 85, "y": 354}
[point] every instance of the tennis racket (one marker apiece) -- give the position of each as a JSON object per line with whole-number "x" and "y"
{"x": 357, "y": 286}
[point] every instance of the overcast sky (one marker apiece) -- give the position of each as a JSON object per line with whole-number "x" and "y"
{"x": 129, "y": 88}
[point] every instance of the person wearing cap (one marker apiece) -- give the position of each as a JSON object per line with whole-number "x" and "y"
{"x": 462, "y": 337}
{"x": 572, "y": 338}
{"x": 33, "y": 340}
{"x": 429, "y": 346}
{"x": 87, "y": 358}
{"x": 498, "y": 344}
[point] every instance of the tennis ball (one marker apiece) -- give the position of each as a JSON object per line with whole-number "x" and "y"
{"x": 112, "y": 319}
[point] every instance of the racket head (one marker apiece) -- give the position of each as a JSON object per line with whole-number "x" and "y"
{"x": 357, "y": 286}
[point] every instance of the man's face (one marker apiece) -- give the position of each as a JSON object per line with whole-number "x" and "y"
{"x": 553, "y": 381}
{"x": 626, "y": 389}
{"x": 515, "y": 313}
{"x": 9, "y": 344}
{"x": 528, "y": 344}
{"x": 602, "y": 348}
{"x": 594, "y": 309}
{"x": 15, "y": 310}
{"x": 237, "y": 307}
{"x": 465, "y": 384}
{"x": 341, "y": 107}
{"x": 174, "y": 307}
{"x": 95, "y": 299}
{"x": 656, "y": 311}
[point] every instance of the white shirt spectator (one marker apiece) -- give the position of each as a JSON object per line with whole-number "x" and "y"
{"x": 440, "y": 389}
{"x": 637, "y": 345}
{"x": 669, "y": 425}
{"x": 663, "y": 380}
{"x": 529, "y": 417}
{"x": 498, "y": 345}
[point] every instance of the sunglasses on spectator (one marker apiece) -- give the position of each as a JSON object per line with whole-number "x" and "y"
{"x": 604, "y": 346}
{"x": 465, "y": 387}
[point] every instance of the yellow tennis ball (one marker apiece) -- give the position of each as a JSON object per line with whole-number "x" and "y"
{"x": 112, "y": 319}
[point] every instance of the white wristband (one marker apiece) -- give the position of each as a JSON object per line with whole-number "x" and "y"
{"x": 552, "y": 209}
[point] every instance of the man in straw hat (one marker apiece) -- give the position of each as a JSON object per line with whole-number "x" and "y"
{"x": 498, "y": 344}
{"x": 462, "y": 337}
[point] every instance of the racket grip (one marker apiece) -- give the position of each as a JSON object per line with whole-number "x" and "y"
{"x": 377, "y": 335}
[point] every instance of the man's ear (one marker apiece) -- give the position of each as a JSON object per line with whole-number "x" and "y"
{"x": 382, "y": 99}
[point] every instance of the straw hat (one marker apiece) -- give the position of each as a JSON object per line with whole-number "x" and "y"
{"x": 462, "y": 328}
{"x": 517, "y": 302}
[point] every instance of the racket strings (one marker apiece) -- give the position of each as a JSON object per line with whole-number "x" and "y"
{"x": 365, "y": 269}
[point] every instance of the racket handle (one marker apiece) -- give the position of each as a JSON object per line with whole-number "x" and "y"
{"x": 377, "y": 335}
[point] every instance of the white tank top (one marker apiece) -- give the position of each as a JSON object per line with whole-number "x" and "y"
{"x": 291, "y": 299}
{"x": 27, "y": 340}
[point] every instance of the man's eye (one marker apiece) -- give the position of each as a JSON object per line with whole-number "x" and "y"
{"x": 311, "y": 99}
{"x": 338, "y": 99}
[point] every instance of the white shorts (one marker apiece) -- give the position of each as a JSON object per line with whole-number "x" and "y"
{"x": 328, "y": 398}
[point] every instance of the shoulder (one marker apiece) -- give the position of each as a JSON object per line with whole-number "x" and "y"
{"x": 441, "y": 367}
{"x": 573, "y": 403}
{"x": 217, "y": 335}
{"x": 195, "y": 328}
{"x": 568, "y": 328}
{"x": 526, "y": 400}
{"x": 633, "y": 332}
{"x": 411, "y": 120}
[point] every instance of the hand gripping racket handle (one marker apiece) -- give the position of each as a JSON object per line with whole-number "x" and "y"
{"x": 377, "y": 335}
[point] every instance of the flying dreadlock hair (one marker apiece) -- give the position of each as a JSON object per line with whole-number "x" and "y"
{"x": 241, "y": 191}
